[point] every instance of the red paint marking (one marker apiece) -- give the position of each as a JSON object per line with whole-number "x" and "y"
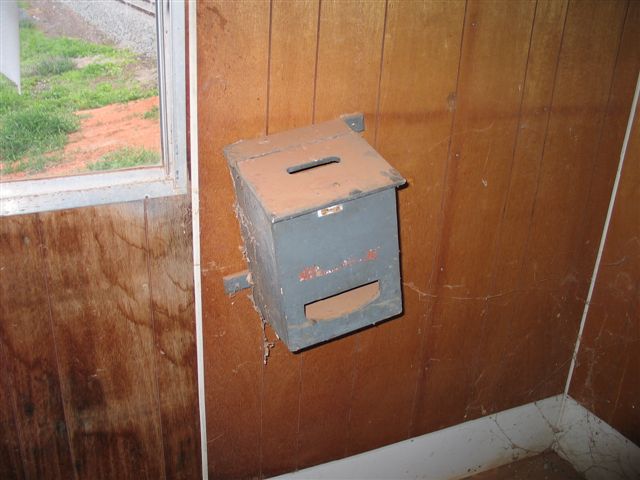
{"x": 314, "y": 271}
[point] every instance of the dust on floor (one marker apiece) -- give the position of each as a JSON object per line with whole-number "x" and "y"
{"x": 546, "y": 466}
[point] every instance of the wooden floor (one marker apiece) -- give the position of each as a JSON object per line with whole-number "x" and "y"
{"x": 546, "y": 466}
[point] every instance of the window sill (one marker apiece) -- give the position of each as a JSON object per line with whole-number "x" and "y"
{"x": 29, "y": 196}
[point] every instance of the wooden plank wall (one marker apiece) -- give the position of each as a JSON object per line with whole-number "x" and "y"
{"x": 97, "y": 348}
{"x": 506, "y": 117}
{"x": 608, "y": 366}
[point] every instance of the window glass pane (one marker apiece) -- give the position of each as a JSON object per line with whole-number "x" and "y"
{"x": 89, "y": 99}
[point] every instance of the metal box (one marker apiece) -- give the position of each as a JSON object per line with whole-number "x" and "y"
{"x": 317, "y": 209}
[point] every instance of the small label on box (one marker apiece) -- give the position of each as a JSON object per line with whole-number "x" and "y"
{"x": 323, "y": 212}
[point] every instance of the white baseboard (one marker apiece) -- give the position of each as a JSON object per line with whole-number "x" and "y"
{"x": 454, "y": 452}
{"x": 594, "y": 447}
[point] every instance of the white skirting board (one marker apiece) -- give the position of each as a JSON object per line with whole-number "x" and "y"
{"x": 592, "y": 446}
{"x": 454, "y": 452}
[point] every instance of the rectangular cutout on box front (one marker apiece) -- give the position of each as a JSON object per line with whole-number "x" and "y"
{"x": 343, "y": 303}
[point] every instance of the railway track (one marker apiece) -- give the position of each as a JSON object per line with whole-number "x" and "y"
{"x": 145, "y": 6}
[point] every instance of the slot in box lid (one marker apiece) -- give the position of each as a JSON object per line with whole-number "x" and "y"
{"x": 307, "y": 169}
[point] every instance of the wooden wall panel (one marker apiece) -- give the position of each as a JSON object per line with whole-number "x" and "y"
{"x": 488, "y": 104}
{"x": 233, "y": 54}
{"x": 506, "y": 334}
{"x": 497, "y": 245}
{"x": 608, "y": 366}
{"x": 168, "y": 238}
{"x": 28, "y": 356}
{"x": 97, "y": 266}
{"x": 10, "y": 457}
{"x": 292, "y": 63}
{"x": 349, "y": 60}
{"x": 96, "y": 339}
{"x": 417, "y": 101}
{"x": 554, "y": 294}
{"x": 615, "y": 124}
{"x": 480, "y": 105}
{"x": 589, "y": 50}
{"x": 97, "y": 344}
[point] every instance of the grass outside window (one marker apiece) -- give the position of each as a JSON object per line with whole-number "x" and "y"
{"x": 60, "y": 76}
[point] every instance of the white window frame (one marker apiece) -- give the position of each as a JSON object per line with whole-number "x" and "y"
{"x": 170, "y": 178}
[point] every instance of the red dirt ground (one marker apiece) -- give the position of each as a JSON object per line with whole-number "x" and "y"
{"x": 103, "y": 130}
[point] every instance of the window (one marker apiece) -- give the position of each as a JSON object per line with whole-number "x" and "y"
{"x": 167, "y": 177}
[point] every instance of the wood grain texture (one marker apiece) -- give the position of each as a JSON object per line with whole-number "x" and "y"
{"x": 100, "y": 305}
{"x": 29, "y": 370}
{"x": 608, "y": 365}
{"x": 507, "y": 335}
{"x": 555, "y": 293}
{"x": 590, "y": 44}
{"x": 233, "y": 42}
{"x": 417, "y": 101}
{"x": 495, "y": 83}
{"x": 615, "y": 124}
{"x": 292, "y": 63}
{"x": 349, "y": 60}
{"x": 535, "y": 113}
{"x": 98, "y": 362}
{"x": 488, "y": 102}
{"x": 169, "y": 245}
{"x": 11, "y": 466}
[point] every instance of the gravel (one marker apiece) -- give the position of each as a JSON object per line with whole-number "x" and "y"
{"x": 127, "y": 27}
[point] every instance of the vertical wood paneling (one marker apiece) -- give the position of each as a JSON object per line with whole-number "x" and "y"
{"x": 602, "y": 363}
{"x": 349, "y": 60}
{"x": 416, "y": 110}
{"x": 11, "y": 466}
{"x": 590, "y": 45}
{"x": 555, "y": 294}
{"x": 168, "y": 227}
{"x": 292, "y": 64}
{"x": 77, "y": 344}
{"x": 347, "y": 80}
{"x": 99, "y": 292}
{"x": 29, "y": 369}
{"x": 481, "y": 145}
{"x": 488, "y": 102}
{"x": 608, "y": 366}
{"x": 505, "y": 333}
{"x": 615, "y": 124}
{"x": 625, "y": 415}
{"x": 546, "y": 39}
{"x": 514, "y": 218}
{"x": 233, "y": 42}
{"x": 281, "y": 409}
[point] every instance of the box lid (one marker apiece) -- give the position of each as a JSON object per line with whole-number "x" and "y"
{"x": 310, "y": 168}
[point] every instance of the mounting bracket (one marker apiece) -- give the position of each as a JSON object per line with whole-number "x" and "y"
{"x": 237, "y": 281}
{"x": 355, "y": 121}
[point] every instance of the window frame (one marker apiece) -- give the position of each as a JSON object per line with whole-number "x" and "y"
{"x": 170, "y": 178}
